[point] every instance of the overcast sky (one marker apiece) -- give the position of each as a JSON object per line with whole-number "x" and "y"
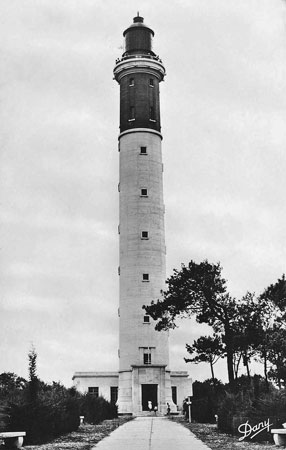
{"x": 223, "y": 111}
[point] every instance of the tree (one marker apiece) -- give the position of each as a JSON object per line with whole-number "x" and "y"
{"x": 248, "y": 330}
{"x": 200, "y": 290}
{"x": 10, "y": 381}
{"x": 245, "y": 326}
{"x": 11, "y": 385}
{"x": 276, "y": 293}
{"x": 33, "y": 379}
{"x": 277, "y": 354}
{"x": 273, "y": 304}
{"x": 209, "y": 349}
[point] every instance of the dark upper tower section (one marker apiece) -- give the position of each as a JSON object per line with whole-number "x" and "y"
{"x": 139, "y": 73}
{"x": 138, "y": 38}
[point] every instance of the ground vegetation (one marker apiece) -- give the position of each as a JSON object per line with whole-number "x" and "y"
{"x": 44, "y": 410}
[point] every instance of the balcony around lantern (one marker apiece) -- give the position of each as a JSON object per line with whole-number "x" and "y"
{"x": 148, "y": 56}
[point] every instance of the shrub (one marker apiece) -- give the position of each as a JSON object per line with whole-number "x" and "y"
{"x": 4, "y": 416}
{"x": 52, "y": 410}
{"x": 272, "y": 404}
{"x": 228, "y": 409}
{"x": 55, "y": 411}
{"x": 251, "y": 402}
{"x": 97, "y": 409}
{"x": 205, "y": 401}
{"x": 43, "y": 420}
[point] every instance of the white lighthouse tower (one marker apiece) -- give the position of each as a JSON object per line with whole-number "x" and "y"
{"x": 143, "y": 352}
{"x": 144, "y": 376}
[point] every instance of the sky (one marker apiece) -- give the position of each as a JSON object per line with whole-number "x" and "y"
{"x": 223, "y": 111}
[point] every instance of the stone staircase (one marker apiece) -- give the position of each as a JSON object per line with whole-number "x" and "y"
{"x": 149, "y": 414}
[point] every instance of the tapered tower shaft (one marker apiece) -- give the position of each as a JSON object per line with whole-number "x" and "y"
{"x": 142, "y": 350}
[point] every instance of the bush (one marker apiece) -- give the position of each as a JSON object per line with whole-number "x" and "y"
{"x": 56, "y": 412}
{"x": 43, "y": 420}
{"x": 50, "y": 411}
{"x": 96, "y": 409}
{"x": 272, "y": 404}
{"x": 231, "y": 406}
{"x": 4, "y": 416}
{"x": 253, "y": 403}
{"x": 205, "y": 401}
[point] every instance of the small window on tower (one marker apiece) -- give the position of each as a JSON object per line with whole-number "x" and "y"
{"x": 131, "y": 82}
{"x": 147, "y": 357}
{"x": 145, "y": 277}
{"x": 144, "y": 192}
{"x": 131, "y": 113}
{"x": 146, "y": 319}
{"x": 144, "y": 235}
{"x": 151, "y": 82}
{"x": 152, "y": 113}
{"x": 143, "y": 150}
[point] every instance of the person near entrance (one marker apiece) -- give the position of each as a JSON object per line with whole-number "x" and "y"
{"x": 186, "y": 409}
{"x": 168, "y": 409}
{"x": 149, "y": 397}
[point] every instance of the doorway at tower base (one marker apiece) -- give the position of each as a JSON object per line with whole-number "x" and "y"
{"x": 143, "y": 387}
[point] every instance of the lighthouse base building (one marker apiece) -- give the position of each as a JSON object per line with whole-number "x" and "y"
{"x": 144, "y": 381}
{"x": 158, "y": 385}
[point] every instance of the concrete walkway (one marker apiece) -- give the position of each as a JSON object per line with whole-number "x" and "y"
{"x": 151, "y": 433}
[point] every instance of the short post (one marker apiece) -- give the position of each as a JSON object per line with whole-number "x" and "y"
{"x": 189, "y": 408}
{"x": 81, "y": 420}
{"x": 216, "y": 419}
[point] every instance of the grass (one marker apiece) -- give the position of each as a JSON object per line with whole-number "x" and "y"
{"x": 216, "y": 440}
{"x": 83, "y": 439}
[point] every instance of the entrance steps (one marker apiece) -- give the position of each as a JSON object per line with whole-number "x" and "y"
{"x": 148, "y": 414}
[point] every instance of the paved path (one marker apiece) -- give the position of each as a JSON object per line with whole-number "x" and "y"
{"x": 151, "y": 433}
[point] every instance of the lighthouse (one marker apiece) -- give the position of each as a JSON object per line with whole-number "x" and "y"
{"x": 144, "y": 379}
{"x": 143, "y": 352}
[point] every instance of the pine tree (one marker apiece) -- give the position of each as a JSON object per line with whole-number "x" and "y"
{"x": 33, "y": 379}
